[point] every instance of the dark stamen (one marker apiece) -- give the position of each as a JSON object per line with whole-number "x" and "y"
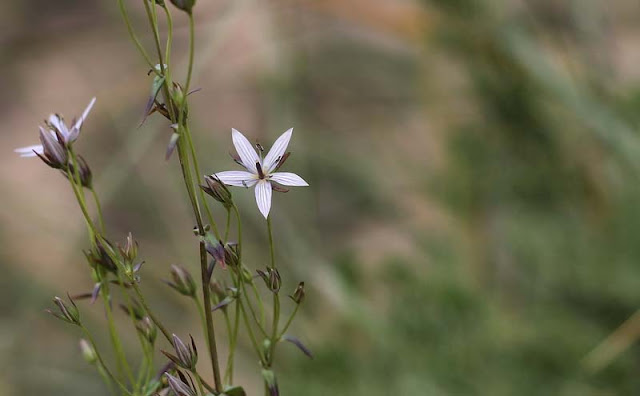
{"x": 259, "y": 169}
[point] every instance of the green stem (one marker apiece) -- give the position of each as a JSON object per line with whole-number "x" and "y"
{"x": 133, "y": 36}
{"x": 153, "y": 317}
{"x": 115, "y": 340}
{"x": 206, "y": 291}
{"x": 101, "y": 361}
{"x": 276, "y": 298}
{"x": 99, "y": 209}
{"x": 286, "y": 326}
{"x": 199, "y": 382}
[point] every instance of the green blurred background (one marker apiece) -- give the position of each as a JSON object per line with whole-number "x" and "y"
{"x": 473, "y": 221}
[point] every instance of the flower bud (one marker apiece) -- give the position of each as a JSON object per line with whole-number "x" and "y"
{"x": 271, "y": 382}
{"x": 183, "y": 283}
{"x": 54, "y": 152}
{"x": 218, "y": 191}
{"x": 68, "y": 313}
{"x": 298, "y": 294}
{"x": 184, "y": 5}
{"x": 130, "y": 250}
{"x": 271, "y": 278}
{"x": 179, "y": 387}
{"x": 101, "y": 256}
{"x": 186, "y": 356}
{"x": 88, "y": 353}
{"x": 147, "y": 329}
{"x": 84, "y": 172}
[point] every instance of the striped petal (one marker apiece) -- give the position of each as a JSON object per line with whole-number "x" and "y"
{"x": 29, "y": 150}
{"x": 288, "y": 179}
{"x": 237, "y": 178}
{"x": 263, "y": 197}
{"x": 245, "y": 150}
{"x": 277, "y": 151}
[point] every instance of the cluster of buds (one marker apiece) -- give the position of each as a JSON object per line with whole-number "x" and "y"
{"x": 186, "y": 357}
{"x": 67, "y": 313}
{"x": 218, "y": 191}
{"x": 183, "y": 283}
{"x": 83, "y": 172}
{"x": 271, "y": 278}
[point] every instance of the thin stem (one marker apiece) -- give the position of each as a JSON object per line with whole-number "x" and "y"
{"x": 102, "y": 364}
{"x": 199, "y": 382}
{"x": 276, "y": 297}
{"x": 154, "y": 319}
{"x": 133, "y": 36}
{"x": 203, "y": 319}
{"x": 206, "y": 291}
{"x": 115, "y": 340}
{"x": 99, "y": 209}
{"x": 289, "y": 321}
{"x": 227, "y": 226}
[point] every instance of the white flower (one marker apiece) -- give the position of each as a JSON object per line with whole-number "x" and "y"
{"x": 56, "y": 122}
{"x": 261, "y": 173}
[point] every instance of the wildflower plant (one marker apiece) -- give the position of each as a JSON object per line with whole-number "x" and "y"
{"x": 118, "y": 271}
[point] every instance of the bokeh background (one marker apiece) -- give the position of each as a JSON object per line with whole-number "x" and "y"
{"x": 473, "y": 221}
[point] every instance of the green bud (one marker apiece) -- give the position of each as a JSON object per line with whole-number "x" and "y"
{"x": 88, "y": 353}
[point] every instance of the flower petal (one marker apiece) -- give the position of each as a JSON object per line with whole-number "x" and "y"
{"x": 57, "y": 122}
{"x": 289, "y": 179}
{"x": 263, "y": 197}
{"x": 245, "y": 150}
{"x": 277, "y": 151}
{"x": 28, "y": 151}
{"x": 75, "y": 130}
{"x": 237, "y": 178}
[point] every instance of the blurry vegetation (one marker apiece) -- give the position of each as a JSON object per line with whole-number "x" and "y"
{"x": 539, "y": 260}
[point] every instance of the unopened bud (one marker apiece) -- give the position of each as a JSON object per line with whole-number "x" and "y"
{"x": 147, "y": 329}
{"x": 54, "y": 152}
{"x": 186, "y": 356}
{"x": 130, "y": 250}
{"x": 88, "y": 353}
{"x": 271, "y": 278}
{"x": 68, "y": 313}
{"x": 83, "y": 172}
{"x": 184, "y": 5}
{"x": 271, "y": 382}
{"x": 101, "y": 256}
{"x": 178, "y": 386}
{"x": 298, "y": 294}
{"x": 183, "y": 283}
{"x": 218, "y": 191}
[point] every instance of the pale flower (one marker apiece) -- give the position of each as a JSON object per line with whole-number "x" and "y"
{"x": 261, "y": 172}
{"x": 55, "y": 122}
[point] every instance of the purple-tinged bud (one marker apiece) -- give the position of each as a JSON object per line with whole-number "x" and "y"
{"x": 179, "y": 387}
{"x": 135, "y": 310}
{"x": 171, "y": 147}
{"x": 130, "y": 250}
{"x": 184, "y": 5}
{"x": 271, "y": 278}
{"x": 298, "y": 294}
{"x": 147, "y": 329}
{"x": 68, "y": 313}
{"x": 183, "y": 283}
{"x": 54, "y": 152}
{"x": 84, "y": 172}
{"x": 271, "y": 382}
{"x": 101, "y": 256}
{"x": 217, "y": 251}
{"x": 218, "y": 191}
{"x": 186, "y": 356}
{"x": 88, "y": 353}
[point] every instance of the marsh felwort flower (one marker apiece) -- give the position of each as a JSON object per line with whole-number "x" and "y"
{"x": 51, "y": 140}
{"x": 261, "y": 172}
